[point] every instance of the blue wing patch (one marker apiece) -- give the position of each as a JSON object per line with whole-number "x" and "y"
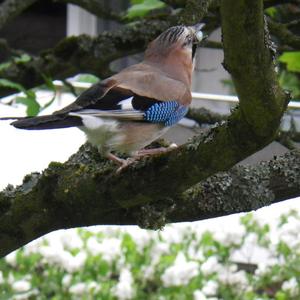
{"x": 168, "y": 112}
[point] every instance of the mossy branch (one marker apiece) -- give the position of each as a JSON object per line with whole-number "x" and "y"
{"x": 80, "y": 192}
{"x": 83, "y": 54}
{"x": 284, "y": 34}
{"x": 9, "y": 9}
{"x": 86, "y": 190}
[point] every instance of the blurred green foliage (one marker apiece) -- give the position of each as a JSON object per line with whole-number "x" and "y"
{"x": 179, "y": 262}
{"x": 140, "y": 8}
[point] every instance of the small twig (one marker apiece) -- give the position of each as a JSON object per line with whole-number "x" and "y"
{"x": 284, "y": 34}
{"x": 9, "y": 9}
{"x": 70, "y": 87}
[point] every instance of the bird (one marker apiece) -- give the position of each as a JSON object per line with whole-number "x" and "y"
{"x": 129, "y": 110}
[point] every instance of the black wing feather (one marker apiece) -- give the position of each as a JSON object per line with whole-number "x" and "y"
{"x": 92, "y": 98}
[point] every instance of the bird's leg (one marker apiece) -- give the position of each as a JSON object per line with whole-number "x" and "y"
{"x": 116, "y": 159}
{"x": 123, "y": 163}
{"x": 154, "y": 151}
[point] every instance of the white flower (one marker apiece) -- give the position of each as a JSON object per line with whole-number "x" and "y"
{"x": 78, "y": 289}
{"x": 251, "y": 239}
{"x": 148, "y": 271}
{"x": 292, "y": 286}
{"x": 21, "y": 286}
{"x": 181, "y": 272}
{"x": 157, "y": 250}
{"x": 210, "y": 288}
{"x": 262, "y": 269}
{"x": 171, "y": 234}
{"x": 230, "y": 238}
{"x": 194, "y": 252}
{"x": 93, "y": 286}
{"x": 109, "y": 248}
{"x": 33, "y": 247}
{"x": 26, "y": 295}
{"x": 141, "y": 237}
{"x": 11, "y": 258}
{"x": 51, "y": 254}
{"x": 124, "y": 288}
{"x": 63, "y": 258}
{"x": 11, "y": 278}
{"x": 66, "y": 280}
{"x": 74, "y": 263}
{"x": 198, "y": 295}
{"x": 160, "y": 248}
{"x": 210, "y": 266}
{"x": 229, "y": 276}
{"x": 71, "y": 240}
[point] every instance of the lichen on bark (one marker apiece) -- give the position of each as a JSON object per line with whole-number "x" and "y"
{"x": 165, "y": 188}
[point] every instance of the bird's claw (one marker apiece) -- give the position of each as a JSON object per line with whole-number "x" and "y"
{"x": 145, "y": 152}
{"x": 124, "y": 163}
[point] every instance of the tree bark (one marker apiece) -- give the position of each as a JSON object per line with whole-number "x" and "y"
{"x": 80, "y": 192}
{"x": 9, "y": 9}
{"x": 86, "y": 190}
{"x": 79, "y": 54}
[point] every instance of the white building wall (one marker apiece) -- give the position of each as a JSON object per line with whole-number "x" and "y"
{"x": 79, "y": 21}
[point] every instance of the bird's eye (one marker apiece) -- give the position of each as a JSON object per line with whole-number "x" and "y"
{"x": 188, "y": 40}
{"x": 199, "y": 36}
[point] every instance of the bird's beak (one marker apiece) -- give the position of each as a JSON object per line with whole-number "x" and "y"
{"x": 196, "y": 30}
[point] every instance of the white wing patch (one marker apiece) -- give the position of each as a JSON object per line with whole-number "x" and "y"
{"x": 93, "y": 123}
{"x": 126, "y": 103}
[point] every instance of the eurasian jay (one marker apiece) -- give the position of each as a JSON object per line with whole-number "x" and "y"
{"x": 129, "y": 110}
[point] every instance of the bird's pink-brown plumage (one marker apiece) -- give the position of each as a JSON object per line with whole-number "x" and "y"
{"x": 164, "y": 76}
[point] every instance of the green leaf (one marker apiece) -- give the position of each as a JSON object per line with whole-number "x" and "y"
{"x": 136, "y": 1}
{"x": 90, "y": 78}
{"x": 292, "y": 59}
{"x": 19, "y": 59}
{"x": 4, "y": 65}
{"x": 50, "y": 85}
{"x": 22, "y": 59}
{"x": 290, "y": 81}
{"x": 33, "y": 107}
{"x": 12, "y": 85}
{"x": 280, "y": 296}
{"x": 271, "y": 11}
{"x": 142, "y": 8}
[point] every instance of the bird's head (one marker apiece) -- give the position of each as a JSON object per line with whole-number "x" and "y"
{"x": 176, "y": 38}
{"x": 175, "y": 48}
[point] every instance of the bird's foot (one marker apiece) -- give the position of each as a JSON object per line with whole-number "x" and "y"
{"x": 145, "y": 152}
{"x": 123, "y": 163}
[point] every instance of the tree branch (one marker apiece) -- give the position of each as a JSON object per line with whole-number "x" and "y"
{"x": 93, "y": 55}
{"x": 9, "y": 9}
{"x": 83, "y": 54}
{"x": 99, "y": 8}
{"x": 270, "y": 3}
{"x": 284, "y": 34}
{"x": 205, "y": 116}
{"x": 6, "y": 52}
{"x": 86, "y": 191}
{"x": 80, "y": 193}
{"x": 242, "y": 189}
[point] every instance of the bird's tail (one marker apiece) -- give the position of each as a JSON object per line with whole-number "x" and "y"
{"x": 45, "y": 122}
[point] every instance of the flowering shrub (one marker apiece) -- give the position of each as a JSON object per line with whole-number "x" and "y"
{"x": 252, "y": 261}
